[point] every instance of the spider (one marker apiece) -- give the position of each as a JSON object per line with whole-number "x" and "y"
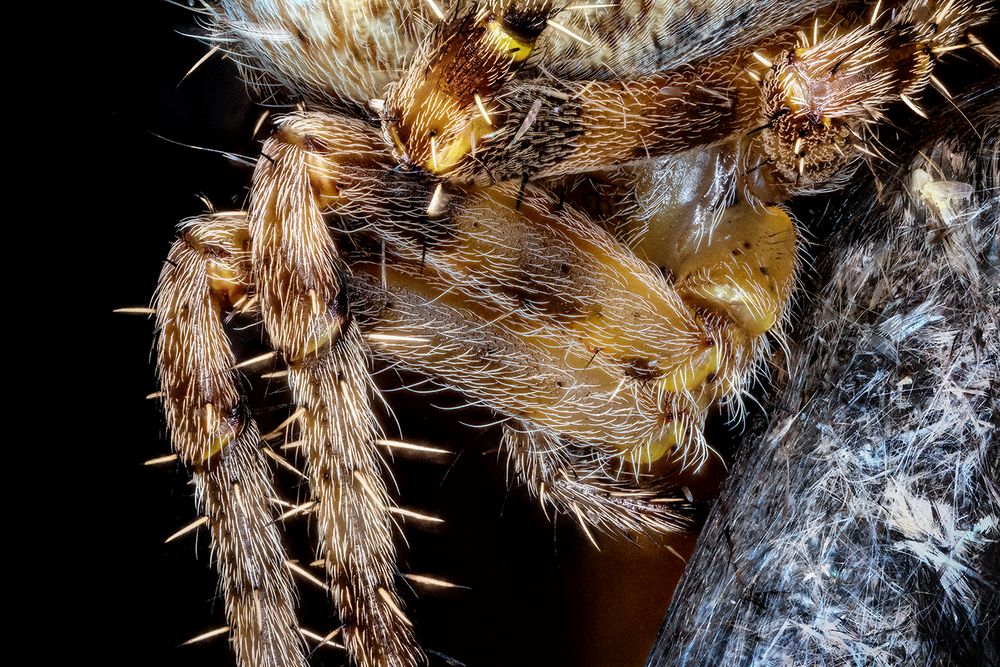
{"x": 431, "y": 204}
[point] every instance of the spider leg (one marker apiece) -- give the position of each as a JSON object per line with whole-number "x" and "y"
{"x": 306, "y": 312}
{"x": 583, "y": 482}
{"x": 801, "y": 112}
{"x": 469, "y": 348}
{"x": 553, "y": 278}
{"x": 206, "y": 274}
{"x": 689, "y": 331}
{"x": 487, "y": 356}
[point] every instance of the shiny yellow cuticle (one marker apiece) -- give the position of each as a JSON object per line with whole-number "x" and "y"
{"x": 225, "y": 282}
{"x": 319, "y": 342}
{"x": 216, "y": 445}
{"x": 747, "y": 270}
{"x": 691, "y": 376}
{"x": 445, "y": 158}
{"x": 647, "y": 455}
{"x": 504, "y": 42}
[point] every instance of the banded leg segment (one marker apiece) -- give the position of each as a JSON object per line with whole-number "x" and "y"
{"x": 306, "y": 314}
{"x": 440, "y": 109}
{"x": 803, "y": 106}
{"x": 206, "y": 274}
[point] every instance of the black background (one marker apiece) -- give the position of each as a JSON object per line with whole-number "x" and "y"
{"x": 539, "y": 594}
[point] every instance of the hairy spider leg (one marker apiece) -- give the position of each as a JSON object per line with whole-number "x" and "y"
{"x": 802, "y": 111}
{"x": 568, "y": 407}
{"x": 439, "y": 110}
{"x": 521, "y": 253}
{"x": 505, "y": 361}
{"x": 207, "y": 273}
{"x": 339, "y": 54}
{"x": 556, "y": 278}
{"x": 306, "y": 313}
{"x": 582, "y": 483}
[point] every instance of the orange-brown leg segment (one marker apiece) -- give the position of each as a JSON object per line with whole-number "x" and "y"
{"x": 306, "y": 313}
{"x": 495, "y": 359}
{"x": 575, "y": 289}
{"x": 207, "y": 275}
{"x": 557, "y": 284}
